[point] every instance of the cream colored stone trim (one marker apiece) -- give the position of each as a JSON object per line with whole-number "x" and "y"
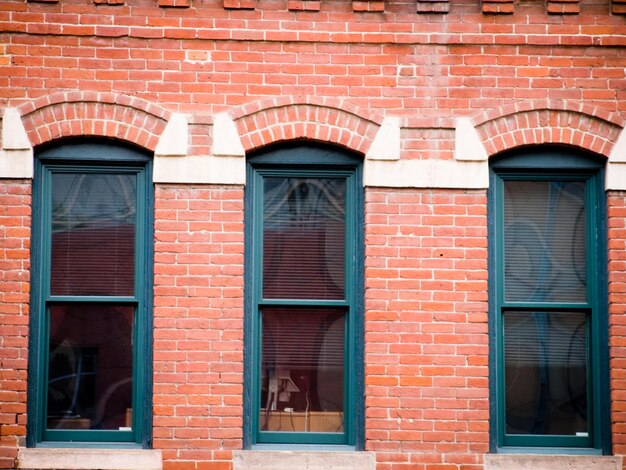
{"x": 200, "y": 169}
{"x": 16, "y": 153}
{"x": 172, "y": 164}
{"x": 300, "y": 459}
{"x": 616, "y": 167}
{"x": 551, "y": 462}
{"x": 467, "y": 144}
{"x": 226, "y": 140}
{"x": 386, "y": 144}
{"x": 16, "y": 164}
{"x": 426, "y": 174}
{"x": 174, "y": 140}
{"x": 468, "y": 170}
{"x": 83, "y": 459}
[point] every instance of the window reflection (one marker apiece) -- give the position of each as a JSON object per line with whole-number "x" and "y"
{"x": 90, "y": 367}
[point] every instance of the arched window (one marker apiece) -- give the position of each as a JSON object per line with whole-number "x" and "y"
{"x": 548, "y": 307}
{"x": 90, "y": 361}
{"x": 304, "y": 291}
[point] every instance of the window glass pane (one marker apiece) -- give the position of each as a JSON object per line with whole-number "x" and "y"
{"x": 546, "y": 373}
{"x": 544, "y": 244}
{"x": 304, "y": 238}
{"x": 93, "y": 234}
{"x": 302, "y": 370}
{"x": 90, "y": 367}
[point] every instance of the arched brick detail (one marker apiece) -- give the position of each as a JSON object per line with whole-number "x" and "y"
{"x": 94, "y": 114}
{"x": 529, "y": 123}
{"x": 323, "y": 120}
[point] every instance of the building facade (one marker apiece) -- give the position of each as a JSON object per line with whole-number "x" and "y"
{"x": 285, "y": 234}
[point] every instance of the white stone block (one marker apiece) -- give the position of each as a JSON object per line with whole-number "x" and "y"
{"x": 174, "y": 140}
{"x": 551, "y": 462}
{"x": 16, "y": 164}
{"x": 200, "y": 169}
{"x": 386, "y": 144}
{"x": 226, "y": 139}
{"x": 427, "y": 174}
{"x": 14, "y": 135}
{"x": 90, "y": 459}
{"x": 467, "y": 144}
{"x": 303, "y": 460}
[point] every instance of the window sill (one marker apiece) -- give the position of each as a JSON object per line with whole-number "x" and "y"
{"x": 550, "y": 462}
{"x": 83, "y": 459}
{"x": 309, "y": 459}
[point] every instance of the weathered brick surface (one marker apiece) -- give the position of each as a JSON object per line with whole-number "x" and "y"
{"x": 617, "y": 310}
{"x": 426, "y": 328}
{"x": 198, "y": 325}
{"x": 328, "y": 71}
{"x": 15, "y": 214}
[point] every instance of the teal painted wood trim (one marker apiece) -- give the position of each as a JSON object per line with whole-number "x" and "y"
{"x": 33, "y": 426}
{"x": 91, "y": 156}
{"x": 549, "y": 164}
{"x": 303, "y": 303}
{"x": 304, "y": 161}
{"x": 547, "y": 158}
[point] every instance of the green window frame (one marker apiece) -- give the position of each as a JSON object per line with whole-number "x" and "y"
{"x": 311, "y": 163}
{"x": 553, "y": 338}
{"x": 74, "y": 310}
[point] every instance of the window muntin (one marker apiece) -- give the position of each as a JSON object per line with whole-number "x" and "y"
{"x": 90, "y": 326}
{"x": 548, "y": 302}
{"x": 303, "y": 207}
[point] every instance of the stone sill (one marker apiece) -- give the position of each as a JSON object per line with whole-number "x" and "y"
{"x": 551, "y": 462}
{"x": 89, "y": 459}
{"x": 303, "y": 459}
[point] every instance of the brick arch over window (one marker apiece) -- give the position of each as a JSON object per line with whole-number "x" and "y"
{"x": 545, "y": 122}
{"x": 325, "y": 120}
{"x": 76, "y": 114}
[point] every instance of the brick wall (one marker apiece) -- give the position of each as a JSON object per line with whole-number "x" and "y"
{"x": 426, "y": 328}
{"x": 617, "y": 309}
{"x": 15, "y": 202}
{"x": 198, "y": 325}
{"x": 530, "y": 72}
{"x": 207, "y": 59}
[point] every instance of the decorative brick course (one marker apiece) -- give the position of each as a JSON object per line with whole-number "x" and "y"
{"x": 618, "y": 7}
{"x": 304, "y": 5}
{"x": 502, "y": 7}
{"x": 563, "y": 7}
{"x": 175, "y": 3}
{"x": 87, "y": 114}
{"x": 368, "y": 5}
{"x": 433, "y": 6}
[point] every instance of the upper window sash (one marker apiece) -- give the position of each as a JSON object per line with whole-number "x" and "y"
{"x": 49, "y": 172}
{"x": 260, "y": 175}
{"x": 588, "y": 203}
